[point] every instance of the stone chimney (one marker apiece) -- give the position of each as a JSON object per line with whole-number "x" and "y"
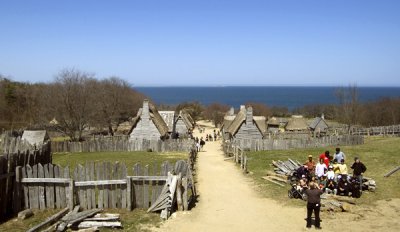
{"x": 242, "y": 107}
{"x": 323, "y": 116}
{"x": 145, "y": 110}
{"x": 249, "y": 115}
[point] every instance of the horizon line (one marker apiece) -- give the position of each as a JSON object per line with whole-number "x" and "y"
{"x": 230, "y": 86}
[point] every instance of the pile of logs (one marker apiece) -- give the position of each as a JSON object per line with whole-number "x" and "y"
{"x": 335, "y": 203}
{"x": 89, "y": 220}
{"x": 286, "y": 168}
{"x": 369, "y": 184}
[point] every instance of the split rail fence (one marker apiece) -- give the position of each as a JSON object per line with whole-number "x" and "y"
{"x": 380, "y": 130}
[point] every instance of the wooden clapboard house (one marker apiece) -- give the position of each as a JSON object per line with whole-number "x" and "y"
{"x": 246, "y": 126}
{"x": 183, "y": 123}
{"x": 148, "y": 124}
{"x": 319, "y": 125}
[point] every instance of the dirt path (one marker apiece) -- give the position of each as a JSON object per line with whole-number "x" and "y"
{"x": 228, "y": 202}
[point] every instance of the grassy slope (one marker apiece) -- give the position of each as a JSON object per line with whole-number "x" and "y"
{"x": 380, "y": 155}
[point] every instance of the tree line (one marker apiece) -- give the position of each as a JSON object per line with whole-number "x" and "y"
{"x": 73, "y": 102}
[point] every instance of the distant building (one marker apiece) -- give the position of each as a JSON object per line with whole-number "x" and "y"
{"x": 319, "y": 125}
{"x": 148, "y": 124}
{"x": 183, "y": 123}
{"x": 273, "y": 125}
{"x": 296, "y": 123}
{"x": 35, "y": 137}
{"x": 246, "y": 126}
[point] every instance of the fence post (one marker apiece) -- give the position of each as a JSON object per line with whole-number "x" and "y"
{"x": 18, "y": 190}
{"x": 129, "y": 193}
{"x": 71, "y": 194}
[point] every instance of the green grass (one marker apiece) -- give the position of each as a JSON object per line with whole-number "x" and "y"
{"x": 380, "y": 155}
{"x": 129, "y": 158}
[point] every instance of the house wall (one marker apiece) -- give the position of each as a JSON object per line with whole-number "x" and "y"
{"x": 180, "y": 127}
{"x": 145, "y": 129}
{"x": 248, "y": 131}
{"x": 321, "y": 127}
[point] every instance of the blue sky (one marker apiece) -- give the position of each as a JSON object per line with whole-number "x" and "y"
{"x": 208, "y": 43}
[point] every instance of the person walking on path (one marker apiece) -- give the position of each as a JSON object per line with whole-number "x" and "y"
{"x": 313, "y": 204}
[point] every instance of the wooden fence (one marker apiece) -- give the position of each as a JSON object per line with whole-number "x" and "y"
{"x": 97, "y": 185}
{"x": 285, "y": 144}
{"x": 381, "y": 130}
{"x": 8, "y": 164}
{"x": 110, "y": 145}
{"x": 237, "y": 154}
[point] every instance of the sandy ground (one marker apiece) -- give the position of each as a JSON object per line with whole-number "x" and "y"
{"x": 228, "y": 202}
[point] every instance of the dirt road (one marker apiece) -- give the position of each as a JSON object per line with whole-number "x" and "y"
{"x": 228, "y": 202}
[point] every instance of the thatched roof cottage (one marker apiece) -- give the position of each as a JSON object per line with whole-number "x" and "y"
{"x": 247, "y": 126}
{"x": 148, "y": 124}
{"x": 319, "y": 125}
{"x": 183, "y": 123}
{"x": 296, "y": 123}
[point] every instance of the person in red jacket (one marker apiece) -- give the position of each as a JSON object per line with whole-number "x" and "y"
{"x": 325, "y": 156}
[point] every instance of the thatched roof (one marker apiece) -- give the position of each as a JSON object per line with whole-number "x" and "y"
{"x": 318, "y": 121}
{"x": 168, "y": 117}
{"x": 35, "y": 137}
{"x": 296, "y": 123}
{"x": 155, "y": 118}
{"x": 241, "y": 118}
{"x": 228, "y": 119}
{"x": 187, "y": 119}
{"x": 273, "y": 122}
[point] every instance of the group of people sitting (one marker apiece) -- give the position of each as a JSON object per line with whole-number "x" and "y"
{"x": 331, "y": 174}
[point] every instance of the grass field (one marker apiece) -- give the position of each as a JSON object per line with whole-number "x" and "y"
{"x": 136, "y": 220}
{"x": 380, "y": 155}
{"x": 129, "y": 158}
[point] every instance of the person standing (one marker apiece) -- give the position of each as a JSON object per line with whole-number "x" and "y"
{"x": 310, "y": 165}
{"x": 320, "y": 168}
{"x": 358, "y": 171}
{"x": 313, "y": 204}
{"x": 339, "y": 156}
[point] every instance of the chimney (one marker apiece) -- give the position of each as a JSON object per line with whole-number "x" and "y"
{"x": 249, "y": 115}
{"x": 323, "y": 116}
{"x": 242, "y": 107}
{"x": 145, "y": 110}
{"x": 231, "y": 111}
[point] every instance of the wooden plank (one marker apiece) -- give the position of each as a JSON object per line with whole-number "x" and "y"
{"x": 45, "y": 180}
{"x": 92, "y": 177}
{"x": 106, "y": 187}
{"x": 149, "y": 178}
{"x": 82, "y": 190}
{"x": 123, "y": 187}
{"x": 35, "y": 187}
{"x": 25, "y": 188}
{"x": 18, "y": 195}
{"x": 49, "y": 220}
{"x": 47, "y": 186}
{"x": 42, "y": 203}
{"x": 31, "y": 188}
{"x": 69, "y": 189}
{"x": 154, "y": 185}
{"x": 185, "y": 194}
{"x": 63, "y": 201}
{"x": 90, "y": 224}
{"x": 116, "y": 188}
{"x": 52, "y": 195}
{"x": 88, "y": 189}
{"x": 3, "y": 201}
{"x": 137, "y": 189}
{"x": 57, "y": 187}
{"x": 99, "y": 175}
{"x": 129, "y": 196}
{"x": 146, "y": 188}
{"x": 179, "y": 193}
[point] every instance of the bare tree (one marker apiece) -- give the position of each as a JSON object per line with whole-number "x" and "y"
{"x": 349, "y": 106}
{"x": 215, "y": 112}
{"x": 71, "y": 98}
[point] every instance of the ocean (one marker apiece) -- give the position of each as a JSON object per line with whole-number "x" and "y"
{"x": 290, "y": 97}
